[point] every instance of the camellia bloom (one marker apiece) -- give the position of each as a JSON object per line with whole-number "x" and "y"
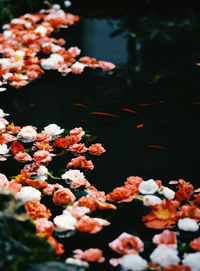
{"x": 16, "y": 147}
{"x": 195, "y": 244}
{"x": 188, "y": 224}
{"x": 89, "y": 255}
{"x": 3, "y": 149}
{"x": 53, "y": 130}
{"x": 42, "y": 156}
{"x": 81, "y": 162}
{"x": 77, "y": 132}
{"x": 133, "y": 262}
{"x": 167, "y": 238}
{"x": 29, "y": 193}
{"x": 127, "y": 244}
{"x": 76, "y": 211}
{"x": 177, "y": 267}
{"x": 192, "y": 260}
{"x": 43, "y": 137}
{"x": 14, "y": 187}
{"x": 44, "y": 227}
{"x": 185, "y": 191}
{"x": 22, "y": 157}
{"x": 62, "y": 143}
{"x": 57, "y": 246}
{"x": 73, "y": 174}
{"x": 88, "y": 224}
{"x": 120, "y": 194}
{"x": 148, "y": 187}
{"x": 78, "y": 148}
{"x": 96, "y": 149}
{"x": 150, "y": 200}
{"x": 37, "y": 210}
{"x": 63, "y": 196}
{"x": 162, "y": 216}
{"x": 3, "y": 181}
{"x": 164, "y": 256}
{"x": 28, "y": 132}
{"x": 65, "y": 222}
{"x": 189, "y": 211}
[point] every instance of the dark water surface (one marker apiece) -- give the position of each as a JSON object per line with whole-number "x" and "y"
{"x": 162, "y": 93}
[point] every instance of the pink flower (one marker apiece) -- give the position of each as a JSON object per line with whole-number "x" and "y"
{"x": 127, "y": 244}
{"x": 43, "y": 137}
{"x": 22, "y": 157}
{"x": 81, "y": 162}
{"x": 88, "y": 224}
{"x": 106, "y": 66}
{"x": 76, "y": 211}
{"x": 42, "y": 156}
{"x": 78, "y": 183}
{"x": 44, "y": 226}
{"x": 19, "y": 84}
{"x": 3, "y": 181}
{"x": 4, "y": 121}
{"x": 77, "y": 132}
{"x": 89, "y": 255}
{"x": 96, "y": 149}
{"x": 14, "y": 187}
{"x": 74, "y": 51}
{"x": 78, "y": 148}
{"x": 167, "y": 238}
{"x": 63, "y": 196}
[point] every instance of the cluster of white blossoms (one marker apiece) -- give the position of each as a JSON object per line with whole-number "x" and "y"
{"x": 29, "y": 193}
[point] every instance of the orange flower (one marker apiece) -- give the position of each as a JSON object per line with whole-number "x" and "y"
{"x": 44, "y": 227}
{"x": 96, "y": 149}
{"x": 3, "y": 140}
{"x": 13, "y": 129}
{"x": 192, "y": 212}
{"x": 120, "y": 194}
{"x": 62, "y": 143}
{"x": 37, "y": 183}
{"x": 14, "y": 186}
{"x": 197, "y": 199}
{"x": 63, "y": 196}
{"x": 89, "y": 255}
{"x": 37, "y": 210}
{"x": 195, "y": 244}
{"x": 163, "y": 215}
{"x": 16, "y": 147}
{"x": 81, "y": 162}
{"x": 186, "y": 190}
{"x": 88, "y": 225}
{"x": 167, "y": 238}
{"x": 177, "y": 267}
{"x": 87, "y": 202}
{"x": 22, "y": 177}
{"x": 57, "y": 246}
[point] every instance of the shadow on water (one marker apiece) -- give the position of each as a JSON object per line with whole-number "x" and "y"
{"x": 158, "y": 106}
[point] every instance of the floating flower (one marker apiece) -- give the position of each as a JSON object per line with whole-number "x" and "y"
{"x": 127, "y": 244}
{"x": 29, "y": 194}
{"x": 192, "y": 260}
{"x": 88, "y": 224}
{"x": 148, "y": 187}
{"x": 133, "y": 262}
{"x": 81, "y": 162}
{"x": 3, "y": 181}
{"x": 44, "y": 227}
{"x": 195, "y": 244}
{"x": 78, "y": 148}
{"x": 89, "y": 255}
{"x": 22, "y": 157}
{"x": 3, "y": 149}
{"x": 96, "y": 149}
{"x": 37, "y": 210}
{"x": 16, "y": 147}
{"x": 167, "y": 238}
{"x": 28, "y": 133}
{"x": 77, "y": 132}
{"x": 120, "y": 194}
{"x": 53, "y": 130}
{"x": 150, "y": 200}
{"x": 65, "y": 222}
{"x": 188, "y": 224}
{"x": 63, "y": 196}
{"x": 42, "y": 156}
{"x": 164, "y": 256}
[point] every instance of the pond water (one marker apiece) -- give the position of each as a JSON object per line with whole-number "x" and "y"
{"x": 162, "y": 85}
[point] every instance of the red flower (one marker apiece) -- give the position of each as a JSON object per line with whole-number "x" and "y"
{"x": 62, "y": 143}
{"x": 89, "y": 255}
{"x": 186, "y": 190}
{"x": 197, "y": 199}
{"x": 37, "y": 210}
{"x": 3, "y": 140}
{"x": 192, "y": 212}
{"x": 63, "y": 196}
{"x": 37, "y": 183}
{"x": 16, "y": 147}
{"x": 163, "y": 215}
{"x": 167, "y": 238}
{"x": 81, "y": 162}
{"x": 57, "y": 246}
{"x": 177, "y": 267}
{"x": 88, "y": 225}
{"x": 96, "y": 149}
{"x": 127, "y": 244}
{"x": 78, "y": 148}
{"x": 120, "y": 194}
{"x": 195, "y": 244}
{"x": 42, "y": 156}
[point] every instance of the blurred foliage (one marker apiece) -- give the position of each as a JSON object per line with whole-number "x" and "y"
{"x": 18, "y": 241}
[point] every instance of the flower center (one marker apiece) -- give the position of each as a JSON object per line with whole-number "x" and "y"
{"x": 162, "y": 214}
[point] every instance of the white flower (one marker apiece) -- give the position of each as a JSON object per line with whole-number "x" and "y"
{"x": 167, "y": 192}
{"x": 164, "y": 256}
{"x": 133, "y": 262}
{"x": 55, "y": 47}
{"x": 148, "y": 187}
{"x": 192, "y": 260}
{"x": 150, "y": 200}
{"x": 2, "y": 126}
{"x": 77, "y": 262}
{"x": 41, "y": 29}
{"x": 65, "y": 222}
{"x": 3, "y": 149}
{"x": 188, "y": 224}
{"x": 7, "y": 75}
{"x": 19, "y": 53}
{"x": 27, "y": 132}
{"x": 29, "y": 193}
{"x": 56, "y": 6}
{"x": 73, "y": 174}
{"x": 78, "y": 66}
{"x": 48, "y": 63}
{"x": 42, "y": 171}
{"x": 2, "y": 114}
{"x": 53, "y": 130}
{"x": 7, "y": 34}
{"x": 67, "y": 3}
